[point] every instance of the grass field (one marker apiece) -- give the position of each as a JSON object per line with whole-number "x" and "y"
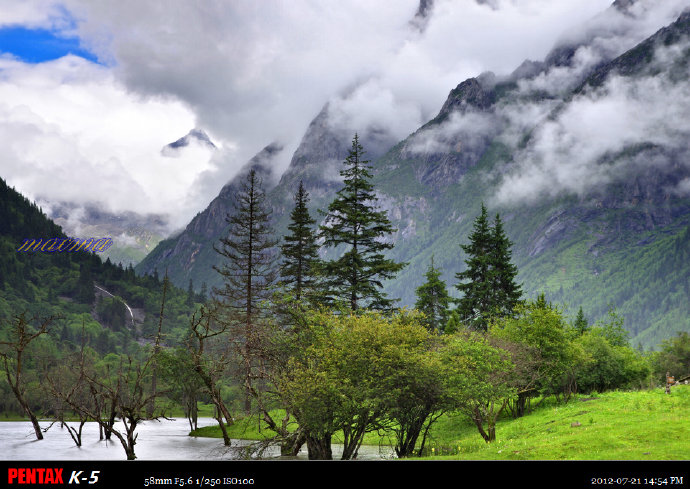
{"x": 619, "y": 425}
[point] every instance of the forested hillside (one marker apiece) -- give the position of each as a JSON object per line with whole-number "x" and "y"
{"x": 107, "y": 305}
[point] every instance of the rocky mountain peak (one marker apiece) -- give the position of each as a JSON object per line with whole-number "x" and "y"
{"x": 197, "y": 135}
{"x": 473, "y": 93}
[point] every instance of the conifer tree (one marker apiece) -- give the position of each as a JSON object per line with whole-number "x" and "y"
{"x": 488, "y": 283}
{"x": 203, "y": 293}
{"x": 454, "y": 323}
{"x": 352, "y": 221}
{"x": 506, "y": 291}
{"x": 248, "y": 273}
{"x": 475, "y": 303}
{"x": 300, "y": 251}
{"x": 433, "y": 300}
{"x": 85, "y": 288}
{"x": 580, "y": 325}
{"x": 190, "y": 294}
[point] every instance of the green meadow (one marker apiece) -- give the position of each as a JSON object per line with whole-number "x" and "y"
{"x": 616, "y": 425}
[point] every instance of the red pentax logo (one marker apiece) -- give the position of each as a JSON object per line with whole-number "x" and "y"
{"x": 34, "y": 476}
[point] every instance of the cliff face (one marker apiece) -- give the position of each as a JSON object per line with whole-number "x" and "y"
{"x": 190, "y": 254}
{"x": 585, "y": 155}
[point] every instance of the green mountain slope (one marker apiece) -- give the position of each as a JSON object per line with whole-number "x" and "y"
{"x": 116, "y": 307}
{"x": 599, "y": 217}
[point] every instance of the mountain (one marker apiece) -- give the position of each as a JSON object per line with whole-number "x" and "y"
{"x": 190, "y": 254}
{"x": 134, "y": 235}
{"x": 109, "y": 303}
{"x": 194, "y": 136}
{"x": 585, "y": 155}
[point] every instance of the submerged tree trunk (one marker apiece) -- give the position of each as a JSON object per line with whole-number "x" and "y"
{"x": 353, "y": 436}
{"x": 76, "y": 433}
{"x": 319, "y": 448}
{"x": 37, "y": 427}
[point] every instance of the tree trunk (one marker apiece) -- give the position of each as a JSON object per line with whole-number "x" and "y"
{"x": 291, "y": 446}
{"x": 223, "y": 429}
{"x": 319, "y": 448}
{"x": 34, "y": 422}
{"x": 480, "y": 426}
{"x": 25, "y": 406}
{"x": 76, "y": 434}
{"x": 109, "y": 426}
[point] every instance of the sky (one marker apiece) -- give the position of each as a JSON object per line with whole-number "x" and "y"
{"x": 91, "y": 92}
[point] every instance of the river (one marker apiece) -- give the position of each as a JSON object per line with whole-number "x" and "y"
{"x": 158, "y": 440}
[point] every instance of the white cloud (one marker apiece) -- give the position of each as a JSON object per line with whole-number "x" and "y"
{"x": 459, "y": 131}
{"x": 249, "y": 73}
{"x": 45, "y": 14}
{"x": 575, "y": 151}
{"x": 71, "y": 132}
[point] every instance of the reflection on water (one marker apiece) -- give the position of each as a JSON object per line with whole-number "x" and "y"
{"x": 158, "y": 440}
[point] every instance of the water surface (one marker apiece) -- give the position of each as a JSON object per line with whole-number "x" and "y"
{"x": 158, "y": 440}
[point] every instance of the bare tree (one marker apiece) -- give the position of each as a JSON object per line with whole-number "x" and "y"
{"x": 125, "y": 390}
{"x": 13, "y": 353}
{"x": 210, "y": 354}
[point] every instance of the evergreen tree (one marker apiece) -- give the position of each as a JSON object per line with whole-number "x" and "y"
{"x": 580, "y": 325}
{"x": 454, "y": 323}
{"x": 300, "y": 251}
{"x": 475, "y": 303}
{"x": 433, "y": 300}
{"x": 85, "y": 288}
{"x": 506, "y": 291}
{"x": 356, "y": 277}
{"x": 203, "y": 293}
{"x": 190, "y": 294}
{"x": 488, "y": 283}
{"x": 248, "y": 273}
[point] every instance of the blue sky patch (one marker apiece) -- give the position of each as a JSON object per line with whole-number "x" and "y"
{"x": 37, "y": 45}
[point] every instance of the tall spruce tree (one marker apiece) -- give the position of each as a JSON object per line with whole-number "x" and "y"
{"x": 488, "y": 283}
{"x": 300, "y": 251}
{"x": 433, "y": 300}
{"x": 507, "y": 292}
{"x": 475, "y": 303}
{"x": 249, "y": 271}
{"x": 353, "y": 221}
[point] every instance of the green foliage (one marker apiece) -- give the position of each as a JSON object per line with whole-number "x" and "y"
{"x": 580, "y": 325}
{"x": 300, "y": 251}
{"x": 433, "y": 300}
{"x": 611, "y": 427}
{"x": 352, "y": 221}
{"x": 612, "y": 329}
{"x": 476, "y": 375}
{"x": 488, "y": 284}
{"x": 355, "y": 372}
{"x": 541, "y": 327}
{"x": 249, "y": 274}
{"x": 454, "y": 323}
{"x": 609, "y": 366}
{"x": 113, "y": 312}
{"x": 505, "y": 291}
{"x": 674, "y": 357}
